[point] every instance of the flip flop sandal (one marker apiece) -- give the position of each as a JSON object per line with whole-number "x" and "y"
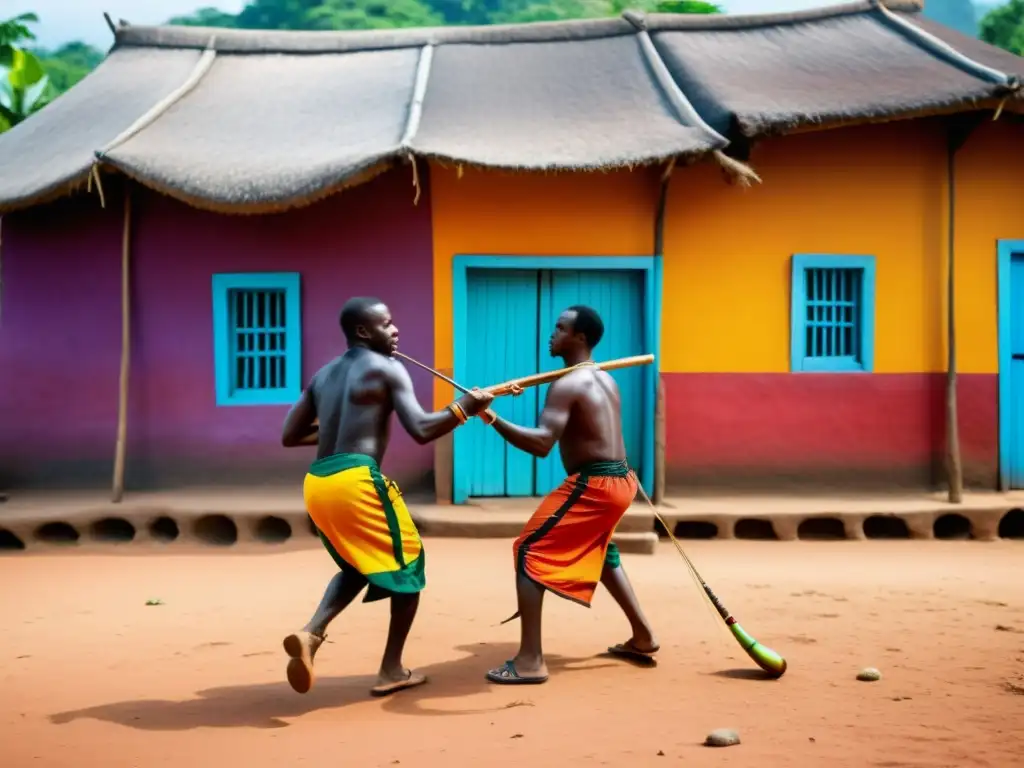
{"x": 507, "y": 675}
{"x": 624, "y": 651}
{"x": 414, "y": 679}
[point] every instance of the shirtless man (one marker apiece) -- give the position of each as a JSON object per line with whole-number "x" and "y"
{"x": 360, "y": 515}
{"x": 566, "y": 546}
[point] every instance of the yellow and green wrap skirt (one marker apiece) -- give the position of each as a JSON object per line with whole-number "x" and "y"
{"x": 363, "y": 522}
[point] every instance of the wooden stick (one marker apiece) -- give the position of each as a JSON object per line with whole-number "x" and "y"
{"x": 954, "y": 465}
{"x": 659, "y": 409}
{"x": 659, "y": 445}
{"x": 122, "y": 403}
{"x": 510, "y": 387}
{"x": 490, "y": 415}
{"x": 436, "y": 373}
{"x": 516, "y": 386}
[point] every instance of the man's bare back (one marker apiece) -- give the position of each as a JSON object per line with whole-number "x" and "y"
{"x": 352, "y": 397}
{"x": 593, "y": 431}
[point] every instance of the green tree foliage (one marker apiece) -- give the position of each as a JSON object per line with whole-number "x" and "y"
{"x": 205, "y": 17}
{"x": 557, "y": 10}
{"x": 24, "y": 87}
{"x": 685, "y": 6}
{"x": 370, "y": 14}
{"x": 384, "y": 14}
{"x": 69, "y": 64}
{"x": 1004, "y": 26}
{"x": 337, "y": 14}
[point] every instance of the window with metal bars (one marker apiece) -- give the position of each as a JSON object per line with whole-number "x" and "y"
{"x": 257, "y": 338}
{"x": 833, "y": 309}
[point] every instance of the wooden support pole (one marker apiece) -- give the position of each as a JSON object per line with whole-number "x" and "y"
{"x": 658, "y": 492}
{"x": 959, "y": 131}
{"x": 659, "y": 446}
{"x": 954, "y": 465}
{"x": 122, "y": 402}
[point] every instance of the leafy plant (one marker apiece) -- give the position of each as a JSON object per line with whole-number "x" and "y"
{"x": 1004, "y": 26}
{"x": 24, "y": 87}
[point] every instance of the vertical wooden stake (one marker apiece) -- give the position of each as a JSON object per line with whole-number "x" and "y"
{"x": 122, "y": 403}
{"x": 659, "y": 446}
{"x": 658, "y": 492}
{"x": 954, "y": 467}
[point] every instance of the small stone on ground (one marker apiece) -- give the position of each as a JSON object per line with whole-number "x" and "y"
{"x": 869, "y": 675}
{"x": 722, "y": 737}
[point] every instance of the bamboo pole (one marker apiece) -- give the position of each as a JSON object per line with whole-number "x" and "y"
{"x": 516, "y": 386}
{"x": 122, "y": 403}
{"x": 658, "y": 492}
{"x": 659, "y": 446}
{"x": 958, "y": 134}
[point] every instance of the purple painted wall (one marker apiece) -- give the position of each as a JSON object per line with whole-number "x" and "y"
{"x": 60, "y": 331}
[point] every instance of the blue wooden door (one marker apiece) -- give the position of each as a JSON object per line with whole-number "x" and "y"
{"x": 618, "y": 297}
{"x": 502, "y": 344}
{"x": 1015, "y": 406}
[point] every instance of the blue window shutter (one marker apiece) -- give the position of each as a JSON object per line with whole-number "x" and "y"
{"x": 257, "y": 338}
{"x": 832, "y": 322}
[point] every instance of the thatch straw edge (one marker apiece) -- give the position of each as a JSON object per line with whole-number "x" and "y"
{"x": 364, "y": 174}
{"x": 761, "y": 129}
{"x": 52, "y": 193}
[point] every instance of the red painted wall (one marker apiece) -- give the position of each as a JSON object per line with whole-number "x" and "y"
{"x": 728, "y": 430}
{"x": 61, "y": 324}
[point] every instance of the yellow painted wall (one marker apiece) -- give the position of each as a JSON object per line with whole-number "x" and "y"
{"x": 990, "y": 207}
{"x": 876, "y": 190}
{"x": 506, "y": 214}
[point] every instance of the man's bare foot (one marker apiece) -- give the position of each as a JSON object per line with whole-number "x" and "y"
{"x": 388, "y": 683}
{"x": 302, "y": 647}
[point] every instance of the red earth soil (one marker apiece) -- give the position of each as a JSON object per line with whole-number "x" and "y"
{"x": 91, "y": 675}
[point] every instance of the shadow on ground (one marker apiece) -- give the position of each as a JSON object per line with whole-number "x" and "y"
{"x": 745, "y": 674}
{"x": 267, "y": 705}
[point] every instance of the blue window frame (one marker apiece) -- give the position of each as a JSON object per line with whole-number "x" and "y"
{"x": 257, "y": 338}
{"x": 833, "y": 314}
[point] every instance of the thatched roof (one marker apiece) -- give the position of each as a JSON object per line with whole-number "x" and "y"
{"x": 851, "y": 63}
{"x": 243, "y": 120}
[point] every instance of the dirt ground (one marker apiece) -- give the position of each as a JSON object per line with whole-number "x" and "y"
{"x": 89, "y": 674}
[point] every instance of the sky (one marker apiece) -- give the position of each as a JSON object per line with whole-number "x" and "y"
{"x": 64, "y": 20}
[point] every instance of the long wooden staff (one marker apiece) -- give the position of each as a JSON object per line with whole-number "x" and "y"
{"x": 516, "y": 386}
{"x": 766, "y": 658}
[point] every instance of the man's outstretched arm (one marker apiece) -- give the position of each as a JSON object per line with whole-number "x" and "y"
{"x": 552, "y": 422}
{"x": 425, "y": 427}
